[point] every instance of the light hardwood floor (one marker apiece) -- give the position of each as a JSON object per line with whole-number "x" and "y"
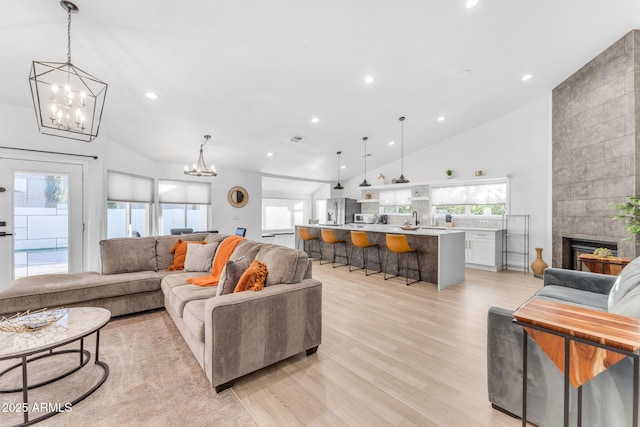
{"x": 391, "y": 355}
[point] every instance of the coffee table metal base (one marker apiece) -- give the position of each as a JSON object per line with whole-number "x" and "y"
{"x": 85, "y": 356}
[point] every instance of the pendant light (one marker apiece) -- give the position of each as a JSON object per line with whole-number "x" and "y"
{"x": 338, "y": 185}
{"x": 201, "y": 169}
{"x": 365, "y": 183}
{"x": 402, "y": 179}
{"x": 68, "y": 101}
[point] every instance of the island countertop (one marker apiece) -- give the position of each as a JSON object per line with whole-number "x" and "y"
{"x": 430, "y": 230}
{"x": 441, "y": 251}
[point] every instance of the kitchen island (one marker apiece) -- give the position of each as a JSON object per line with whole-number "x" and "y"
{"x": 441, "y": 252}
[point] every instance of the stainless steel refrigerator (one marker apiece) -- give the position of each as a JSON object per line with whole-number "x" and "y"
{"x": 340, "y": 211}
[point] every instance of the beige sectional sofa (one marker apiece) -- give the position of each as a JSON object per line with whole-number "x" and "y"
{"x": 230, "y": 335}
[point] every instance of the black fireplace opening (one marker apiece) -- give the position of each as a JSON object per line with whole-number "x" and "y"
{"x": 573, "y": 247}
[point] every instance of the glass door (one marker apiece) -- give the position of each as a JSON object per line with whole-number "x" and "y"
{"x": 43, "y": 215}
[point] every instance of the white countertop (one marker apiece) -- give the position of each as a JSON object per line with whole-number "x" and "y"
{"x": 387, "y": 228}
{"x": 424, "y": 229}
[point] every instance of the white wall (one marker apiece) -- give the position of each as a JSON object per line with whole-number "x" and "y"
{"x": 518, "y": 144}
{"x": 226, "y": 218}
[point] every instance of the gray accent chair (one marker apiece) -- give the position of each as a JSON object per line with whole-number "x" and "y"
{"x": 607, "y": 397}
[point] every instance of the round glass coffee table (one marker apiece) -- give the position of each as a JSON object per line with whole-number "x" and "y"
{"x": 73, "y": 324}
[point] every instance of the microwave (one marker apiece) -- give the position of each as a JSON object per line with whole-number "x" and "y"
{"x": 361, "y": 218}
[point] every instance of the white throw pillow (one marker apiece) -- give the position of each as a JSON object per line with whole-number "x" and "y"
{"x": 199, "y": 257}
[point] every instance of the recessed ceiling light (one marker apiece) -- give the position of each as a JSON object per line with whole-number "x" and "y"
{"x": 343, "y": 167}
{"x": 471, "y": 3}
{"x": 269, "y": 154}
{"x": 315, "y": 120}
{"x": 391, "y": 142}
{"x": 441, "y": 118}
{"x": 151, "y": 95}
{"x": 368, "y": 80}
{"x": 527, "y": 77}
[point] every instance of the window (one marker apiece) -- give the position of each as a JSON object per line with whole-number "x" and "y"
{"x": 488, "y": 198}
{"x": 184, "y": 205}
{"x": 283, "y": 214}
{"x": 395, "y": 202}
{"x": 129, "y": 205}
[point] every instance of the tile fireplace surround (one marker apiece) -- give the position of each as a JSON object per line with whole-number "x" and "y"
{"x": 596, "y": 112}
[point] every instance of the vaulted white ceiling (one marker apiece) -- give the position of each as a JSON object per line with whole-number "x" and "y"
{"x": 253, "y": 73}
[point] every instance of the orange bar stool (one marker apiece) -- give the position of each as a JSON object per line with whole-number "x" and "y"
{"x": 329, "y": 237}
{"x": 360, "y": 240}
{"x": 398, "y": 244}
{"x": 305, "y": 236}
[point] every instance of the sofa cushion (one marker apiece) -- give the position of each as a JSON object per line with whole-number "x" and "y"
{"x": 179, "y": 251}
{"x": 55, "y": 290}
{"x": 628, "y": 280}
{"x": 574, "y": 297}
{"x": 199, "y": 257}
{"x": 194, "y": 318}
{"x": 629, "y": 305}
{"x": 231, "y": 274}
{"x": 179, "y": 296}
{"x": 285, "y": 265}
{"x": 171, "y": 279}
{"x": 246, "y": 248}
{"x": 253, "y": 279}
{"x": 215, "y": 238}
{"x": 163, "y": 248}
{"x": 127, "y": 255}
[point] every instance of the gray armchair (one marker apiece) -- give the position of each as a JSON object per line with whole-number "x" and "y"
{"x": 607, "y": 397}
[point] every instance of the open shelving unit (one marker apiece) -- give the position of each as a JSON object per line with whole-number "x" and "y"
{"x": 515, "y": 243}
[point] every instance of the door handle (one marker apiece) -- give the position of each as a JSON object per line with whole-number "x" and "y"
{"x": 2, "y": 233}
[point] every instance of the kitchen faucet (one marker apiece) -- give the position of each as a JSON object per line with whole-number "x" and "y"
{"x": 415, "y": 215}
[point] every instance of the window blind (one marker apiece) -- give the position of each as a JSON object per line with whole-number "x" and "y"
{"x": 123, "y": 187}
{"x": 477, "y": 194}
{"x": 395, "y": 197}
{"x": 184, "y": 192}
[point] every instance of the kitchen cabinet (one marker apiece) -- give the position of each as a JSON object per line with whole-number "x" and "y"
{"x": 483, "y": 250}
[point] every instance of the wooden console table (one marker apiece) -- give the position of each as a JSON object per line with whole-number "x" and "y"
{"x": 581, "y": 342}
{"x": 606, "y": 265}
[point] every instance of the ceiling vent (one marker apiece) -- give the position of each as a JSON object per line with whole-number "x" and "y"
{"x": 296, "y": 139}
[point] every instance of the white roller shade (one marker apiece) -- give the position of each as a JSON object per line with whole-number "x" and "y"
{"x": 395, "y": 197}
{"x": 184, "y": 192}
{"x": 477, "y": 194}
{"x": 122, "y": 187}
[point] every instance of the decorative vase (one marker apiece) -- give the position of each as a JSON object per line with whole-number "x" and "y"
{"x": 538, "y": 265}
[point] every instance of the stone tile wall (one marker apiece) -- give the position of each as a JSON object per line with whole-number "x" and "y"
{"x": 595, "y": 146}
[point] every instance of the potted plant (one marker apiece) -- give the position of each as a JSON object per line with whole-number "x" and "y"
{"x": 629, "y": 212}
{"x": 449, "y": 173}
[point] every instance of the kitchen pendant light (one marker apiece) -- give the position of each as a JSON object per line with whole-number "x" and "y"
{"x": 338, "y": 185}
{"x": 68, "y": 101}
{"x": 201, "y": 169}
{"x": 365, "y": 183}
{"x": 402, "y": 179}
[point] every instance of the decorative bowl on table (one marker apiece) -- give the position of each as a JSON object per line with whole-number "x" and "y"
{"x": 409, "y": 227}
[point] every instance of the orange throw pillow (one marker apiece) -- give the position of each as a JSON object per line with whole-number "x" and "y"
{"x": 179, "y": 251}
{"x": 253, "y": 278}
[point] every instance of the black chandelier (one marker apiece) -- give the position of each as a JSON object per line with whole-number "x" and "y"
{"x": 68, "y": 101}
{"x": 200, "y": 168}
